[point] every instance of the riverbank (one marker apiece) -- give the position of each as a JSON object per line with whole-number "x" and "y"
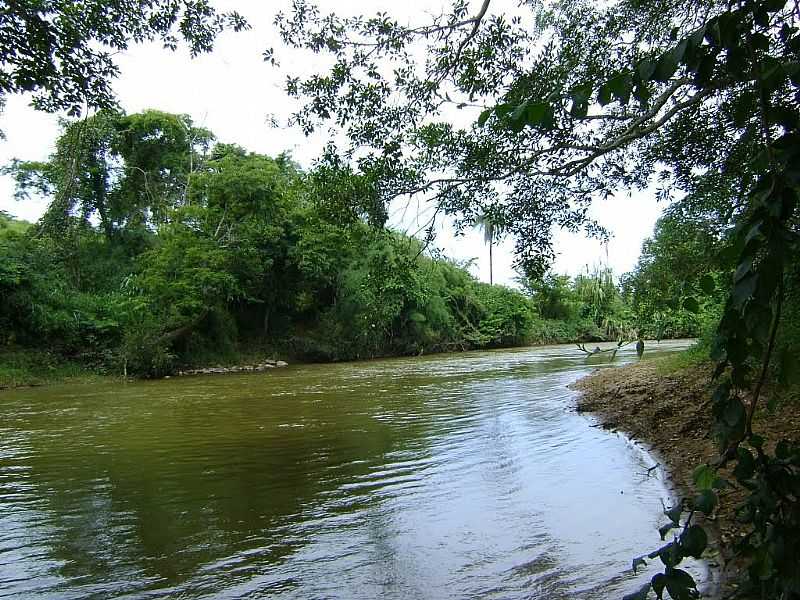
{"x": 665, "y": 404}
{"x": 33, "y": 368}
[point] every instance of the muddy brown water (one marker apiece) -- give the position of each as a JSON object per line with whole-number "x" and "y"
{"x": 449, "y": 476}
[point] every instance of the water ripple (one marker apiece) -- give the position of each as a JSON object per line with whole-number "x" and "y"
{"x": 439, "y": 477}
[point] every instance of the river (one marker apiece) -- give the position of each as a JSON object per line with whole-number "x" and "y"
{"x": 449, "y": 476}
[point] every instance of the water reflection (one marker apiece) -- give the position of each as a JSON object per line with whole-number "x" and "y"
{"x": 446, "y": 476}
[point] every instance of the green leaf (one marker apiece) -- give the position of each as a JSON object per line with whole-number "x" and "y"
{"x": 745, "y": 466}
{"x": 665, "y": 529}
{"x": 638, "y": 562}
{"x": 783, "y": 450}
{"x": 707, "y": 284}
{"x": 680, "y": 584}
{"x": 645, "y": 69}
{"x": 674, "y": 513}
{"x": 743, "y": 290}
{"x": 705, "y": 69}
{"x": 734, "y": 413}
{"x": 642, "y": 93}
{"x": 604, "y": 94}
{"x": 670, "y": 555}
{"x": 729, "y": 29}
{"x": 621, "y": 87}
{"x": 518, "y": 112}
{"x": 693, "y": 541}
{"x": 720, "y": 484}
{"x": 705, "y": 502}
{"x": 484, "y": 116}
{"x": 537, "y": 114}
{"x": 703, "y": 477}
{"x": 666, "y": 67}
{"x": 691, "y": 304}
{"x": 503, "y": 109}
{"x": 659, "y": 582}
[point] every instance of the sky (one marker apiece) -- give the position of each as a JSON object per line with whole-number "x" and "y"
{"x": 235, "y": 94}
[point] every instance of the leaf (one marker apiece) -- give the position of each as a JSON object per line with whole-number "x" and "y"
{"x": 665, "y": 529}
{"x": 729, "y": 29}
{"x": 666, "y": 67}
{"x": 537, "y": 113}
{"x": 734, "y": 413}
{"x": 503, "y": 109}
{"x": 642, "y": 93}
{"x": 680, "y": 51}
{"x": 674, "y": 513}
{"x": 604, "y": 94}
{"x": 745, "y": 466}
{"x": 639, "y": 561}
{"x": 645, "y": 69}
{"x": 693, "y": 541}
{"x": 783, "y": 450}
{"x": 706, "y": 68}
{"x": 484, "y": 116}
{"x": 621, "y": 87}
{"x": 703, "y": 477}
{"x": 705, "y": 502}
{"x": 679, "y": 583}
{"x": 691, "y": 304}
{"x": 743, "y": 290}
{"x": 707, "y": 284}
{"x": 670, "y": 554}
{"x": 516, "y": 115}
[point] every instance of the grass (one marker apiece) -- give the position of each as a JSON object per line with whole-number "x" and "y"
{"x": 21, "y": 368}
{"x": 691, "y": 357}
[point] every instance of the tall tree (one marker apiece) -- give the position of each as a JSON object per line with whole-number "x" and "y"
{"x": 491, "y": 233}
{"x": 548, "y": 87}
{"x": 62, "y": 51}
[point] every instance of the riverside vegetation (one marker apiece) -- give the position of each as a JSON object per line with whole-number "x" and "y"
{"x": 160, "y": 247}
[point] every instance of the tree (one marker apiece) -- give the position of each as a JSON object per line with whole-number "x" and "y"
{"x": 578, "y": 102}
{"x": 61, "y": 51}
{"x": 491, "y": 232}
{"x": 550, "y": 131}
{"x": 127, "y": 171}
{"x": 688, "y": 242}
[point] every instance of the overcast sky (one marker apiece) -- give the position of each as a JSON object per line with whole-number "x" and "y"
{"x": 233, "y": 92}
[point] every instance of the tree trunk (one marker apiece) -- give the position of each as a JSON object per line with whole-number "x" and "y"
{"x": 491, "y": 279}
{"x": 181, "y": 332}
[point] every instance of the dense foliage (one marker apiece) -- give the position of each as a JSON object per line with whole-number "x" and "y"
{"x": 161, "y": 248}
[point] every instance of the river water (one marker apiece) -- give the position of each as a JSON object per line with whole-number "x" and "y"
{"x": 450, "y": 476}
